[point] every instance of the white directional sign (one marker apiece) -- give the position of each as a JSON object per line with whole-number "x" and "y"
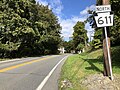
{"x": 104, "y": 20}
{"x": 103, "y": 8}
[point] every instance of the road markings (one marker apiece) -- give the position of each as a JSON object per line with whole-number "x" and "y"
{"x": 10, "y": 60}
{"x": 48, "y": 76}
{"x": 23, "y": 64}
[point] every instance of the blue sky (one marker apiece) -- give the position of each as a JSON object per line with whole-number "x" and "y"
{"x": 69, "y": 12}
{"x": 73, "y": 7}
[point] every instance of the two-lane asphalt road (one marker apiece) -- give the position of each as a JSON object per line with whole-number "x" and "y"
{"x": 31, "y": 73}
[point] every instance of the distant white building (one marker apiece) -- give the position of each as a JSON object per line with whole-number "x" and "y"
{"x": 62, "y": 50}
{"x": 72, "y": 51}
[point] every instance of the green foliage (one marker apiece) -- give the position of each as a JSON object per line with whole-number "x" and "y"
{"x": 114, "y": 30}
{"x": 69, "y": 46}
{"x": 99, "y": 2}
{"x": 97, "y": 41}
{"x": 80, "y": 46}
{"x": 27, "y": 29}
{"x": 79, "y": 35}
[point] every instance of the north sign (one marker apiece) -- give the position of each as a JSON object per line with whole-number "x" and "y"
{"x": 103, "y": 8}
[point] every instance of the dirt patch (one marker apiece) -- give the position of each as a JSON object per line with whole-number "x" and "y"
{"x": 100, "y": 82}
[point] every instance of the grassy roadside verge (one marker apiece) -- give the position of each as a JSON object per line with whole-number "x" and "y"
{"x": 77, "y": 67}
{"x": 2, "y": 59}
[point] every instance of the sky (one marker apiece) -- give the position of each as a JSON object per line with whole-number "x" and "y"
{"x": 69, "y": 12}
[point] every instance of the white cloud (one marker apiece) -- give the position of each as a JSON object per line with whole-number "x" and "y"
{"x": 43, "y": 2}
{"x": 68, "y": 24}
{"x": 85, "y": 11}
{"x": 90, "y": 31}
{"x": 57, "y": 6}
{"x": 88, "y": 27}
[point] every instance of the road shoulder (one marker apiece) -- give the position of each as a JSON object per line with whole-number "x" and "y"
{"x": 52, "y": 83}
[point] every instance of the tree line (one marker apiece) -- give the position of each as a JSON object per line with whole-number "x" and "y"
{"x": 80, "y": 38}
{"x": 114, "y": 31}
{"x": 27, "y": 28}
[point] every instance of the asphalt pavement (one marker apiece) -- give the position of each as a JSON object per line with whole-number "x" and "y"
{"x": 31, "y": 73}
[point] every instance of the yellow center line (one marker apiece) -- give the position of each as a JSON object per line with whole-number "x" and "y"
{"x": 23, "y": 64}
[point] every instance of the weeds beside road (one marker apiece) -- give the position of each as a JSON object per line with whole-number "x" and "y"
{"x": 77, "y": 67}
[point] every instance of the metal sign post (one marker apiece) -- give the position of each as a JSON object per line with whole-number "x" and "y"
{"x": 104, "y": 19}
{"x": 109, "y": 58}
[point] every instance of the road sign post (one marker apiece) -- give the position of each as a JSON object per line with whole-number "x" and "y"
{"x": 105, "y": 19}
{"x": 109, "y": 58}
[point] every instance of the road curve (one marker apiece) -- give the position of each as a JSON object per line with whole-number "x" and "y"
{"x": 29, "y": 73}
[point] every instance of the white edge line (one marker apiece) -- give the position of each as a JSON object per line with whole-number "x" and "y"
{"x": 48, "y": 76}
{"x": 10, "y": 60}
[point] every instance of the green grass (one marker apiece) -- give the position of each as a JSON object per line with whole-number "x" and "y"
{"x": 116, "y": 59}
{"x": 77, "y": 67}
{"x": 2, "y": 59}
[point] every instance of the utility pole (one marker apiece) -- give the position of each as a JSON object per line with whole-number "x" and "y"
{"x": 107, "y": 57}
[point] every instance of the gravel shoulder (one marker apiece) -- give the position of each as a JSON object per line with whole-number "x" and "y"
{"x": 100, "y": 82}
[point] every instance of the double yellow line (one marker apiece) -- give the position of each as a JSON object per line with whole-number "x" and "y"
{"x": 23, "y": 64}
